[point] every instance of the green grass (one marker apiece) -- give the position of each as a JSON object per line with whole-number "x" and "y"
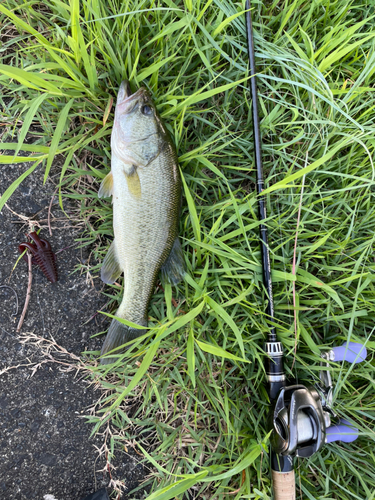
{"x": 192, "y": 397}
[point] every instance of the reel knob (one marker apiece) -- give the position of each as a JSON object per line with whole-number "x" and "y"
{"x": 343, "y": 431}
{"x": 349, "y": 351}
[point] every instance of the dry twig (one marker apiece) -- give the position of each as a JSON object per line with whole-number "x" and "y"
{"x": 294, "y": 265}
{"x": 26, "y": 220}
{"x": 28, "y": 293}
{"x": 49, "y": 213}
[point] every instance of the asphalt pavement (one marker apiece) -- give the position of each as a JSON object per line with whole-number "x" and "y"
{"x": 46, "y": 452}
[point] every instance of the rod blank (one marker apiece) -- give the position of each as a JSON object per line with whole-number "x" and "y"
{"x": 266, "y": 264}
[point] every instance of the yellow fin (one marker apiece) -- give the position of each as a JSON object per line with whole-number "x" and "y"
{"x": 106, "y": 187}
{"x": 134, "y": 184}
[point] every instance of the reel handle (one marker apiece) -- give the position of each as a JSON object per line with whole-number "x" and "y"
{"x": 349, "y": 351}
{"x": 343, "y": 431}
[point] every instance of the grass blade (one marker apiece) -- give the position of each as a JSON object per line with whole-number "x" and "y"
{"x": 34, "y": 106}
{"x": 57, "y": 136}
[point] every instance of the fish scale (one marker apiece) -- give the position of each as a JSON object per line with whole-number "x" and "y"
{"x": 143, "y": 239}
{"x": 145, "y": 185}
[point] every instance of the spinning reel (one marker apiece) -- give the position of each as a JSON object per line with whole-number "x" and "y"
{"x": 300, "y": 418}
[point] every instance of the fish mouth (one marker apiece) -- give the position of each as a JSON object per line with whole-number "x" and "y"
{"x": 125, "y": 95}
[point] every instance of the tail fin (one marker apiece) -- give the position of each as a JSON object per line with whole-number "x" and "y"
{"x": 119, "y": 334}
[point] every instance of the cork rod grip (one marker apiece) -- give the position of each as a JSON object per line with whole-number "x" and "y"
{"x": 284, "y": 485}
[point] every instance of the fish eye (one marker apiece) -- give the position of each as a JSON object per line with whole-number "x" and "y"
{"x": 146, "y": 110}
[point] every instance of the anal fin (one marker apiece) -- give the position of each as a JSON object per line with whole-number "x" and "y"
{"x": 111, "y": 269}
{"x": 173, "y": 269}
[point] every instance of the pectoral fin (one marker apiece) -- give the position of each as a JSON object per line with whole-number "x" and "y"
{"x": 110, "y": 268}
{"x": 173, "y": 269}
{"x": 106, "y": 187}
{"x": 134, "y": 184}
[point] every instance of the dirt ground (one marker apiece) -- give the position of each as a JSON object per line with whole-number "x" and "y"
{"x": 45, "y": 447}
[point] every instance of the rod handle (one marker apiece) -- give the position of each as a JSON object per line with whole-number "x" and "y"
{"x": 351, "y": 352}
{"x": 284, "y": 485}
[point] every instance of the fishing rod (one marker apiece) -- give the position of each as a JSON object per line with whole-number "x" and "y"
{"x": 300, "y": 417}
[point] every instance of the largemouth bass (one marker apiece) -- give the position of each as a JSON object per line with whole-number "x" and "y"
{"x": 145, "y": 186}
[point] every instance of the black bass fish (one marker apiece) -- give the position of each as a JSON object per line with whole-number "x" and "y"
{"x": 145, "y": 186}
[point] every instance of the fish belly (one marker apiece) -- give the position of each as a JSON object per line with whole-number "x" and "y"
{"x": 145, "y": 228}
